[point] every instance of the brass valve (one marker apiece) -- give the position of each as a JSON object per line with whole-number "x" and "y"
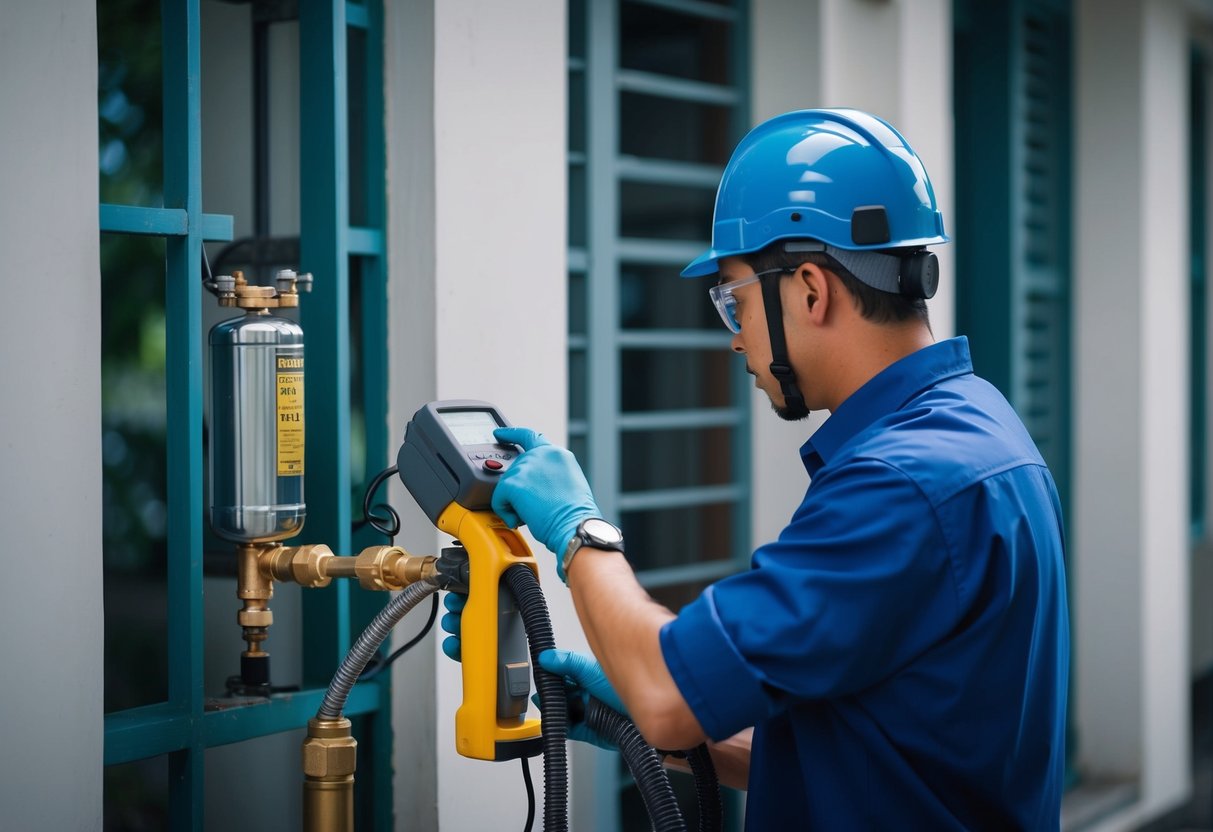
{"x": 313, "y": 566}
{"x": 234, "y": 290}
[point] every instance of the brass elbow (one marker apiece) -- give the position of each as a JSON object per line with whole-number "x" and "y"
{"x": 254, "y": 590}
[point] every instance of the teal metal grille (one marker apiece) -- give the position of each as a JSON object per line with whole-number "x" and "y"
{"x": 187, "y": 723}
{"x": 659, "y": 411}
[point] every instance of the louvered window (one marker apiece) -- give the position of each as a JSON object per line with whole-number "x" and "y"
{"x": 659, "y": 408}
{"x": 1012, "y": 226}
{"x": 1013, "y": 197}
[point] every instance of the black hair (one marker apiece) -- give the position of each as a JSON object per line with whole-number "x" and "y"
{"x": 874, "y": 305}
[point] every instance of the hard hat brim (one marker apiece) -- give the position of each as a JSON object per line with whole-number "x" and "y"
{"x": 704, "y": 265}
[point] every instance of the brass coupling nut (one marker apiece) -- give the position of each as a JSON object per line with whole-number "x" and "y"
{"x": 416, "y": 568}
{"x": 376, "y": 567}
{"x": 303, "y": 565}
{"x": 390, "y": 567}
{"x": 257, "y": 616}
{"x": 330, "y": 751}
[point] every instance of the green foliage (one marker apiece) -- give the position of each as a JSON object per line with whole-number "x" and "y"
{"x": 133, "y": 408}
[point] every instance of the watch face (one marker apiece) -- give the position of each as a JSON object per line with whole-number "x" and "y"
{"x": 603, "y": 531}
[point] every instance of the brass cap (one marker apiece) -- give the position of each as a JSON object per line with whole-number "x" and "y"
{"x": 330, "y": 751}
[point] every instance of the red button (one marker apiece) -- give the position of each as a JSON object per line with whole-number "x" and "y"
{"x": 493, "y": 464}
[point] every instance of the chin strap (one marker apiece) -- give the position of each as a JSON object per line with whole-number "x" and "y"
{"x": 781, "y": 368}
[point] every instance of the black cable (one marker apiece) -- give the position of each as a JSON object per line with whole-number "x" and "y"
{"x": 377, "y": 665}
{"x": 208, "y": 279}
{"x": 530, "y": 794}
{"x": 386, "y": 524}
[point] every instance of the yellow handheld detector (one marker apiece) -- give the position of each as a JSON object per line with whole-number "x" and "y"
{"x": 450, "y": 462}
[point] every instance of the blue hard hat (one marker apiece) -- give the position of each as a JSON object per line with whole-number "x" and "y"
{"x": 843, "y": 177}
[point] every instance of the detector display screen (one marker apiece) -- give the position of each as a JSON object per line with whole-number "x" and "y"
{"x": 471, "y": 427}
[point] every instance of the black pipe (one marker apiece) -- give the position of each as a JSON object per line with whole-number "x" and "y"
{"x": 261, "y": 129}
{"x": 644, "y": 763}
{"x": 555, "y": 725}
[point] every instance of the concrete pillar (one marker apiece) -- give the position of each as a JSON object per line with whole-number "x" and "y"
{"x": 1129, "y": 524}
{"x": 50, "y": 434}
{"x": 478, "y": 282}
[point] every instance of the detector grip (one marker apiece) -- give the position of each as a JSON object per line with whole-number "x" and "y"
{"x": 491, "y": 723}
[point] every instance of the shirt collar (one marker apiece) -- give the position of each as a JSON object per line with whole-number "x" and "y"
{"x": 884, "y": 393}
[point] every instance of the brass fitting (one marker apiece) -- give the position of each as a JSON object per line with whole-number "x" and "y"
{"x": 416, "y": 568}
{"x": 235, "y": 290}
{"x": 303, "y": 565}
{"x": 390, "y": 567}
{"x": 329, "y": 759}
{"x": 255, "y": 590}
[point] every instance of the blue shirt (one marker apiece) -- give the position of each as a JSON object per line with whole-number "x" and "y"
{"x": 903, "y": 648}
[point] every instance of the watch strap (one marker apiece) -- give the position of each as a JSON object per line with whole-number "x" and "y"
{"x": 581, "y": 539}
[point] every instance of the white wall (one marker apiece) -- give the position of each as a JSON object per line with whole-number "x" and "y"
{"x": 803, "y": 55}
{"x": 50, "y": 442}
{"x": 476, "y": 238}
{"x": 1129, "y": 524}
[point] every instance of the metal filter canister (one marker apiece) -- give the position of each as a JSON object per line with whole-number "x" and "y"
{"x": 256, "y": 435}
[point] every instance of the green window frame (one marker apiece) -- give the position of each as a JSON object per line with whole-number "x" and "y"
{"x": 659, "y": 410}
{"x": 187, "y": 723}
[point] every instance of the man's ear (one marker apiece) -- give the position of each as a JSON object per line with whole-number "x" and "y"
{"x": 815, "y": 285}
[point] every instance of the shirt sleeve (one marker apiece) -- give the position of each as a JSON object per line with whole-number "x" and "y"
{"x": 857, "y": 585}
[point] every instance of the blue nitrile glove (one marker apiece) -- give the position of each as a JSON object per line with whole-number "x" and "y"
{"x": 583, "y": 678}
{"x": 545, "y": 490}
{"x": 452, "y": 623}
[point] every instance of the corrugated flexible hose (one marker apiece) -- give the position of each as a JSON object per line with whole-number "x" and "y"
{"x": 643, "y": 761}
{"x": 707, "y": 789}
{"x": 555, "y": 725}
{"x": 367, "y": 645}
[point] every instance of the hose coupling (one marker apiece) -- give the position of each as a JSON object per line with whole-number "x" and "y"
{"x": 391, "y": 568}
{"x": 452, "y": 569}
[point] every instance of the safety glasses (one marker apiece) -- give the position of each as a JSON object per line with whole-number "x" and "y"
{"x": 722, "y": 296}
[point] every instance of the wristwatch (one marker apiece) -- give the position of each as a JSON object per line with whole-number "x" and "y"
{"x": 594, "y": 532}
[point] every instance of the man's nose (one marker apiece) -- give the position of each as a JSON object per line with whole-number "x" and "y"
{"x": 735, "y": 344}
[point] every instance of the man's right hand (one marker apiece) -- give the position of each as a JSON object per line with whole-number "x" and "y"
{"x": 583, "y": 676}
{"x": 452, "y": 623}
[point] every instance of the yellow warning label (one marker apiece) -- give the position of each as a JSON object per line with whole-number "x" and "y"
{"x": 290, "y": 416}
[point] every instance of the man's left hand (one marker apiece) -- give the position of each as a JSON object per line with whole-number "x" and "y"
{"x": 544, "y": 489}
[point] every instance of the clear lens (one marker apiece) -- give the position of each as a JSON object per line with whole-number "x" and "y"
{"x": 723, "y": 300}
{"x": 722, "y": 297}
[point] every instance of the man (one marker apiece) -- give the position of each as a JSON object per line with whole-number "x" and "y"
{"x": 901, "y": 651}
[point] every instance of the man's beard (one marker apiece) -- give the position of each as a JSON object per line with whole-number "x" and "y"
{"x": 790, "y": 414}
